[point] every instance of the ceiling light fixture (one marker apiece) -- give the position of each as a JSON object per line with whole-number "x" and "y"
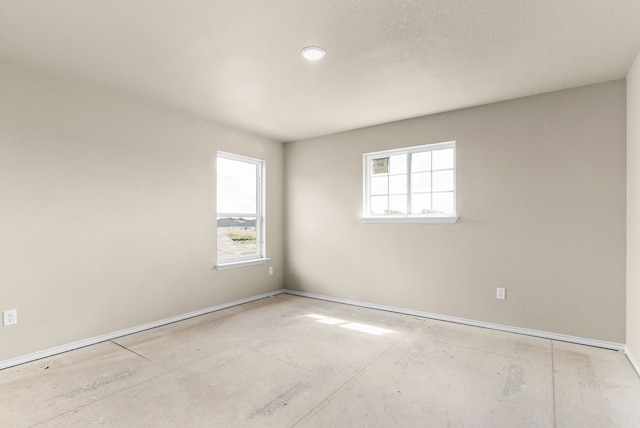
{"x": 312, "y": 53}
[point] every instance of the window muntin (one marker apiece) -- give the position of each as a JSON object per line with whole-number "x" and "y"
{"x": 240, "y": 209}
{"x": 410, "y": 183}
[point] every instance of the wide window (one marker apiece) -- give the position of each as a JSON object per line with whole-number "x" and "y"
{"x": 414, "y": 184}
{"x": 240, "y": 211}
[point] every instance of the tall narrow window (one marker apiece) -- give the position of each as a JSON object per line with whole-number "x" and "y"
{"x": 414, "y": 184}
{"x": 240, "y": 210}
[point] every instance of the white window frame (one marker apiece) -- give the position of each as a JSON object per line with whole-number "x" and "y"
{"x": 259, "y": 256}
{"x": 368, "y": 217}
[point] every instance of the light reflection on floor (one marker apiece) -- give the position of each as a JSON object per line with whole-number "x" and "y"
{"x": 364, "y": 328}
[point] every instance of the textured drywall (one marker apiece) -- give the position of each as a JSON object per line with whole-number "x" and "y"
{"x": 107, "y": 212}
{"x": 239, "y": 61}
{"x": 541, "y": 200}
{"x": 633, "y": 210}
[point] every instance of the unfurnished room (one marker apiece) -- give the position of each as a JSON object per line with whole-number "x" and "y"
{"x": 301, "y": 213}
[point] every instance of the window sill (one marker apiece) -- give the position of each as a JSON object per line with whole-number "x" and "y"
{"x": 434, "y": 219}
{"x": 243, "y": 263}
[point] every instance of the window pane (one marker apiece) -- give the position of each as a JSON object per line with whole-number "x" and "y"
{"x": 443, "y": 159}
{"x": 236, "y": 237}
{"x": 398, "y": 204}
{"x": 380, "y": 185}
{"x": 423, "y": 188}
{"x": 398, "y": 184}
{"x": 421, "y": 203}
{"x": 421, "y": 182}
{"x": 239, "y": 208}
{"x": 443, "y": 181}
{"x": 379, "y": 205}
{"x": 236, "y": 186}
{"x": 380, "y": 166}
{"x": 398, "y": 164}
{"x": 421, "y": 161}
{"x": 443, "y": 202}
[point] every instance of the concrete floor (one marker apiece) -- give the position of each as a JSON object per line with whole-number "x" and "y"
{"x": 292, "y": 361}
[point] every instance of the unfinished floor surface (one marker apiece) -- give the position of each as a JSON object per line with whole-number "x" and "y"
{"x": 291, "y": 361}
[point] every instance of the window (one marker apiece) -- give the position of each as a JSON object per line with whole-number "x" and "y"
{"x": 414, "y": 184}
{"x": 240, "y": 211}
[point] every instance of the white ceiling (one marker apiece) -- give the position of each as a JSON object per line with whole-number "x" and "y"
{"x": 238, "y": 62}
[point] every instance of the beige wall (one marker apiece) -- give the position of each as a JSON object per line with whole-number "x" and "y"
{"x": 107, "y": 212}
{"x": 541, "y": 200}
{"x": 107, "y": 206}
{"x": 633, "y": 210}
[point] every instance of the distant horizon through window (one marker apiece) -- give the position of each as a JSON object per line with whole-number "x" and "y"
{"x": 240, "y": 219}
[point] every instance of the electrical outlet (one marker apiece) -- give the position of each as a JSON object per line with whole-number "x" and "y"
{"x": 10, "y": 317}
{"x": 501, "y": 293}
{"x": 270, "y": 270}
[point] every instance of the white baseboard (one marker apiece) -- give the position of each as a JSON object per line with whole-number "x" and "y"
{"x": 113, "y": 335}
{"x": 537, "y": 333}
{"x": 109, "y": 336}
{"x": 632, "y": 360}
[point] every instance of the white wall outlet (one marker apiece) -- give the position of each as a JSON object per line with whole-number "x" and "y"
{"x": 10, "y": 317}
{"x": 501, "y": 293}
{"x": 270, "y": 270}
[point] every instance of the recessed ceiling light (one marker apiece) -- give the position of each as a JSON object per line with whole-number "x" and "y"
{"x": 312, "y": 53}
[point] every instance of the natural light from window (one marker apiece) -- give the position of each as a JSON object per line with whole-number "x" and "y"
{"x": 411, "y": 184}
{"x": 240, "y": 201}
{"x": 363, "y": 328}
